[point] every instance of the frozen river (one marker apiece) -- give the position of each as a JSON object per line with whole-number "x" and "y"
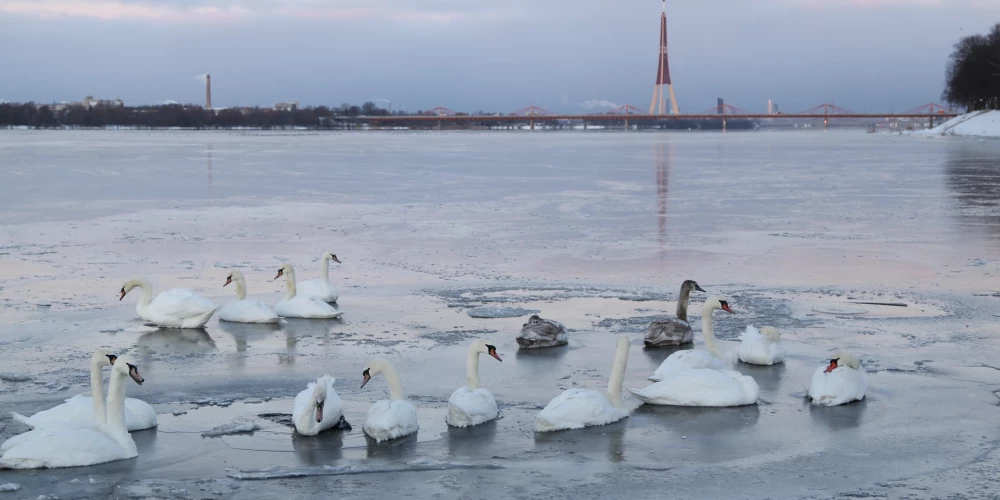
{"x": 596, "y": 230}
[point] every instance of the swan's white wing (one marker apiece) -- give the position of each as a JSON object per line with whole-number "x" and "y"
{"x": 248, "y": 311}
{"x": 180, "y": 303}
{"x": 139, "y": 415}
{"x": 843, "y": 385}
{"x": 63, "y": 446}
{"x": 77, "y": 409}
{"x": 685, "y": 360}
{"x": 701, "y": 387}
{"x": 390, "y": 420}
{"x": 471, "y": 407}
{"x": 333, "y": 407}
{"x": 305, "y": 307}
{"x": 316, "y": 288}
{"x": 577, "y": 408}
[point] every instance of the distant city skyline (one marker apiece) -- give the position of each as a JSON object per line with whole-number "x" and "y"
{"x": 469, "y": 55}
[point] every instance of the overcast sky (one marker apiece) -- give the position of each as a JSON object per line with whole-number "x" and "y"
{"x": 498, "y": 55}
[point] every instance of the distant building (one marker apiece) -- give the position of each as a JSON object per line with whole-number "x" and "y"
{"x": 90, "y": 102}
{"x": 286, "y": 106}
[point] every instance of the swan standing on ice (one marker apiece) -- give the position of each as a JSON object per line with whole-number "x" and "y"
{"x": 695, "y": 380}
{"x": 473, "y": 405}
{"x": 318, "y": 408}
{"x": 842, "y": 381}
{"x": 538, "y": 332}
{"x": 175, "y": 308}
{"x": 297, "y": 306}
{"x": 762, "y": 347}
{"x": 74, "y": 445}
{"x": 321, "y": 288}
{"x": 578, "y": 408}
{"x": 389, "y": 418}
{"x": 90, "y": 410}
{"x": 677, "y": 330}
{"x": 244, "y": 310}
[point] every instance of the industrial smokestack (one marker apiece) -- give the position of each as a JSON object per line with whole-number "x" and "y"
{"x": 208, "y": 91}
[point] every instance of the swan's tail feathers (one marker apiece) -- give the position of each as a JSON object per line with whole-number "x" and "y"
{"x": 656, "y": 377}
{"x": 21, "y": 418}
{"x": 638, "y": 394}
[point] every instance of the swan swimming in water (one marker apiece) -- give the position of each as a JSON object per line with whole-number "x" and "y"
{"x": 578, "y": 408}
{"x": 244, "y": 310}
{"x": 762, "y": 347}
{"x": 297, "y": 306}
{"x": 321, "y": 288}
{"x": 695, "y": 380}
{"x": 318, "y": 408}
{"x": 174, "y": 308}
{"x": 75, "y": 444}
{"x": 90, "y": 410}
{"x": 676, "y": 330}
{"x": 473, "y": 405}
{"x": 389, "y": 418}
{"x": 539, "y": 332}
{"x": 842, "y": 381}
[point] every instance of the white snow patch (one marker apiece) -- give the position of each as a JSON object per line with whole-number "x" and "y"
{"x": 9, "y": 487}
{"x": 975, "y": 124}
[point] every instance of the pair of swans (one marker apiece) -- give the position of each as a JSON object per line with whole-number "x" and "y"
{"x": 308, "y": 303}
{"x": 700, "y": 377}
{"x": 296, "y": 305}
{"x": 90, "y": 410}
{"x": 74, "y": 444}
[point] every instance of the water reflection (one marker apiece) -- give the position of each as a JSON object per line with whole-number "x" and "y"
{"x": 174, "y": 342}
{"x": 472, "y": 442}
{"x": 663, "y": 171}
{"x": 607, "y": 438}
{"x": 399, "y": 449}
{"x": 243, "y": 334}
{"x": 973, "y": 177}
{"x": 768, "y": 378}
{"x": 707, "y": 421}
{"x": 323, "y": 449}
{"x": 846, "y": 416}
{"x": 210, "y": 169}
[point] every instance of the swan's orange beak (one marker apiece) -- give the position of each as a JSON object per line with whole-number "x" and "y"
{"x": 123, "y": 295}
{"x": 229, "y": 280}
{"x": 833, "y": 364}
{"x": 134, "y": 373}
{"x": 725, "y": 307}
{"x": 493, "y": 352}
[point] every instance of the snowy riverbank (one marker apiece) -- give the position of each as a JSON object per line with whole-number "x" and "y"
{"x": 975, "y": 124}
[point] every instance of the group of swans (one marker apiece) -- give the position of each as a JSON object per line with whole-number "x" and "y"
{"x": 705, "y": 377}
{"x": 183, "y": 308}
{"x": 77, "y": 439}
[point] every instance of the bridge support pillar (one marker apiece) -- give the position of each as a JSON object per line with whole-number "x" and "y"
{"x": 626, "y": 124}
{"x": 532, "y": 124}
{"x": 932, "y": 122}
{"x": 723, "y": 124}
{"x": 439, "y": 124}
{"x": 585, "y": 124}
{"x": 826, "y": 123}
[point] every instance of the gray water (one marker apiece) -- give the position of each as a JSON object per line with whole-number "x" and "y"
{"x": 595, "y": 230}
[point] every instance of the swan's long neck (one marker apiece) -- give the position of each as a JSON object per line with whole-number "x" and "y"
{"x": 326, "y": 271}
{"x": 241, "y": 288}
{"x": 290, "y": 283}
{"x": 472, "y": 369}
{"x": 618, "y": 375}
{"x": 147, "y": 292}
{"x": 116, "y": 411}
{"x": 392, "y": 380}
{"x": 682, "y": 303}
{"x": 308, "y": 418}
{"x": 708, "y": 331}
{"x": 97, "y": 394}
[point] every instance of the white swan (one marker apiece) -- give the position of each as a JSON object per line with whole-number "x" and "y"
{"x": 175, "y": 308}
{"x": 90, "y": 410}
{"x": 842, "y": 381}
{"x": 473, "y": 405}
{"x": 762, "y": 347}
{"x": 697, "y": 358}
{"x": 577, "y": 408}
{"x": 321, "y": 288}
{"x": 297, "y": 306}
{"x": 244, "y": 310}
{"x": 703, "y": 385}
{"x": 318, "y": 408}
{"x": 74, "y": 445}
{"x": 389, "y": 418}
